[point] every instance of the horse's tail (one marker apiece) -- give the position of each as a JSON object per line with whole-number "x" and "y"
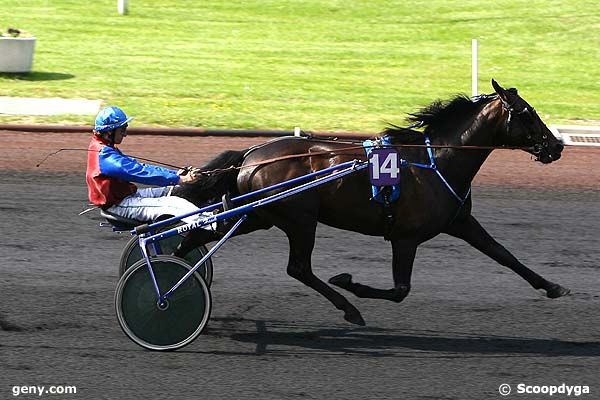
{"x": 211, "y": 186}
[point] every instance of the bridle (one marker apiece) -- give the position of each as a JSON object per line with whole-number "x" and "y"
{"x": 537, "y": 148}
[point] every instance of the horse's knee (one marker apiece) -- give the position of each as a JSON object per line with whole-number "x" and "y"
{"x": 400, "y": 293}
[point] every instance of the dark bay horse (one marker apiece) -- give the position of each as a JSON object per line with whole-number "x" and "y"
{"x": 426, "y": 208}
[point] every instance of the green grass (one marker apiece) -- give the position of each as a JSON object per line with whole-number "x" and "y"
{"x": 321, "y": 65}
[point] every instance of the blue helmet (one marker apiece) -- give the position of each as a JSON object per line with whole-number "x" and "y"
{"x": 110, "y": 118}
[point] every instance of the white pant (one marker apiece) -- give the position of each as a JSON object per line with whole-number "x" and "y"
{"x": 150, "y": 203}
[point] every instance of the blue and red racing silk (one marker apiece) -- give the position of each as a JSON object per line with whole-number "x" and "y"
{"x": 109, "y": 173}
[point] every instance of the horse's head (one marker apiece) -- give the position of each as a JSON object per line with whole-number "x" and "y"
{"x": 525, "y": 128}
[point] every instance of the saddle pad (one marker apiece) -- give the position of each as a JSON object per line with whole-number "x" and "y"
{"x": 377, "y": 191}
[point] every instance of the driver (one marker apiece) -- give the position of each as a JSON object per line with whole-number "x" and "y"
{"x": 110, "y": 173}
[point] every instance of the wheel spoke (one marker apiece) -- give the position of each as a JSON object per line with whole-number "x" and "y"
{"x": 132, "y": 254}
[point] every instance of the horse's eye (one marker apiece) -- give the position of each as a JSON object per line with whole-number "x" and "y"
{"x": 544, "y": 136}
{"x": 526, "y": 117}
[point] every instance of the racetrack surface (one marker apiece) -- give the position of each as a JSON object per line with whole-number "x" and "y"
{"x": 468, "y": 325}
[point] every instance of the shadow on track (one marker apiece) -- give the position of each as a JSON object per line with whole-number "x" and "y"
{"x": 377, "y": 342}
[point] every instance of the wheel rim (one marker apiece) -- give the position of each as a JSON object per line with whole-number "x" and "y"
{"x": 168, "y": 326}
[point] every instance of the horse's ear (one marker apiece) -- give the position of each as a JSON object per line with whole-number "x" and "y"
{"x": 500, "y": 90}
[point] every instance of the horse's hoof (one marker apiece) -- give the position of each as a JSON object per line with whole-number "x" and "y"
{"x": 353, "y": 316}
{"x": 555, "y": 291}
{"x": 341, "y": 280}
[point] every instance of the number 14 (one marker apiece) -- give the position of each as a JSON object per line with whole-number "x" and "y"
{"x": 388, "y": 167}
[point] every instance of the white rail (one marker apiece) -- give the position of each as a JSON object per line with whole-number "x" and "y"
{"x": 573, "y": 135}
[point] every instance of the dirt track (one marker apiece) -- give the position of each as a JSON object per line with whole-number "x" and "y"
{"x": 467, "y": 326}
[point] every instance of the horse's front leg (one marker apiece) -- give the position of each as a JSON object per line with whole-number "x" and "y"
{"x": 473, "y": 233}
{"x": 403, "y": 257}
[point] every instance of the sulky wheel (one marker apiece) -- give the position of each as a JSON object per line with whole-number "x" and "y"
{"x": 168, "y": 326}
{"x": 132, "y": 254}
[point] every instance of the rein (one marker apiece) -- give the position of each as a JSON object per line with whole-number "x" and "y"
{"x": 360, "y": 147}
{"x": 536, "y": 148}
{"x": 301, "y": 155}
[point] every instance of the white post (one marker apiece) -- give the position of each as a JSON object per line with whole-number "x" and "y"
{"x": 297, "y": 131}
{"x": 474, "y": 90}
{"x": 122, "y": 7}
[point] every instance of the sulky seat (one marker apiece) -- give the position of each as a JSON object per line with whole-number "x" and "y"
{"x": 119, "y": 222}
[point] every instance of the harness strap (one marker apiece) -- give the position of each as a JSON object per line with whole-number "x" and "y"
{"x": 388, "y": 214}
{"x": 433, "y": 166}
{"x": 430, "y": 152}
{"x": 289, "y": 156}
{"x": 461, "y": 200}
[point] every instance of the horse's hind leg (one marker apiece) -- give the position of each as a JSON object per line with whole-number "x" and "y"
{"x": 194, "y": 239}
{"x": 301, "y": 237}
{"x": 473, "y": 233}
{"x": 403, "y": 258}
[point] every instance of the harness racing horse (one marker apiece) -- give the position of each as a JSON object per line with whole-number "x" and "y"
{"x": 430, "y": 204}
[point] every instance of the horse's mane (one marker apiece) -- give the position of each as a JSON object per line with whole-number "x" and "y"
{"x": 435, "y": 118}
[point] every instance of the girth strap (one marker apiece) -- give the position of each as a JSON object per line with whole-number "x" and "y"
{"x": 388, "y": 213}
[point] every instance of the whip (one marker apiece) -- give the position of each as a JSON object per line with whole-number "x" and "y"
{"x": 139, "y": 158}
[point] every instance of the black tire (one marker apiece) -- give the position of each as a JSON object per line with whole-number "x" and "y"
{"x": 132, "y": 254}
{"x": 181, "y": 319}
